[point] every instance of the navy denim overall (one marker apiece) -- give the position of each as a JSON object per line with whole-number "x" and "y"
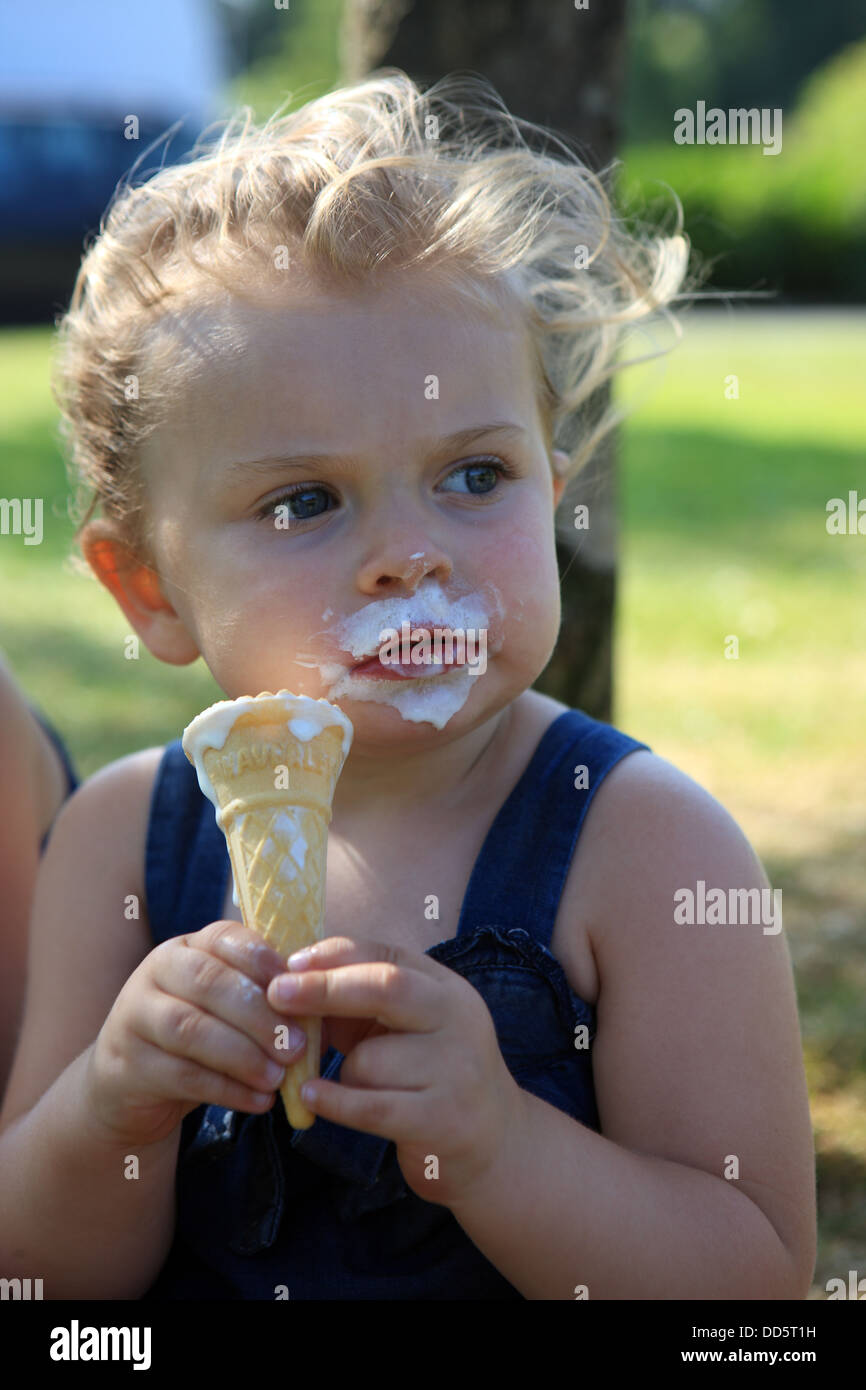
{"x": 325, "y": 1212}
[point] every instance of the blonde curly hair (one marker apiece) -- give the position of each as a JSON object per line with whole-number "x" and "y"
{"x": 376, "y": 176}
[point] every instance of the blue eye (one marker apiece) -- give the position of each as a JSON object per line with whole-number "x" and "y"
{"x": 302, "y": 497}
{"x": 304, "y": 492}
{"x": 493, "y": 468}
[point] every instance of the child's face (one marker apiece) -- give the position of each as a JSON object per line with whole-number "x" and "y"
{"x": 350, "y": 375}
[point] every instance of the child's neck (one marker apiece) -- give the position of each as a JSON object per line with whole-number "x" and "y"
{"x": 418, "y": 785}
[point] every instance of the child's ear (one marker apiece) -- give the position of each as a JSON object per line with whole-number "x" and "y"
{"x": 560, "y": 463}
{"x": 136, "y": 587}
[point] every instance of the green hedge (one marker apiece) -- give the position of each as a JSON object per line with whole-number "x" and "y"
{"x": 793, "y": 222}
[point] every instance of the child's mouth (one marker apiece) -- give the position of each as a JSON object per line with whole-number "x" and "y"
{"x": 385, "y": 668}
{"x": 399, "y": 671}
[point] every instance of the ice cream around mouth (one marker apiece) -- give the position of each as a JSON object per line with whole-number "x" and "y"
{"x": 424, "y": 651}
{"x": 421, "y": 692}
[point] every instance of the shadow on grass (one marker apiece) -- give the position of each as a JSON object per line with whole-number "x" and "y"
{"x": 737, "y": 495}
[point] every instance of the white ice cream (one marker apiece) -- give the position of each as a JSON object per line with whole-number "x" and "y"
{"x": 210, "y": 729}
{"x": 423, "y": 699}
{"x": 432, "y": 699}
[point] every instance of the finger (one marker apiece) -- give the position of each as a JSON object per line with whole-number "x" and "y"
{"x": 238, "y": 946}
{"x": 180, "y": 1078}
{"x": 395, "y": 1115}
{"x": 186, "y": 1031}
{"x": 347, "y": 950}
{"x": 204, "y": 979}
{"x": 392, "y": 1062}
{"x": 397, "y": 997}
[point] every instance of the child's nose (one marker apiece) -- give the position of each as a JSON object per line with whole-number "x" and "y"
{"x": 397, "y": 566}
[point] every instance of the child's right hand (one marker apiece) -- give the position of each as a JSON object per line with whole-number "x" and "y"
{"x": 191, "y": 1026}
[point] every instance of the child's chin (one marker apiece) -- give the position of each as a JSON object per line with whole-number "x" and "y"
{"x": 427, "y": 702}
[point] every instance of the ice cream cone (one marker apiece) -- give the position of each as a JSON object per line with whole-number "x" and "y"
{"x": 270, "y": 763}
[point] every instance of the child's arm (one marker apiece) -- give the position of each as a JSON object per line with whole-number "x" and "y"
{"x": 67, "y": 1214}
{"x": 698, "y": 1066}
{"x": 145, "y": 1035}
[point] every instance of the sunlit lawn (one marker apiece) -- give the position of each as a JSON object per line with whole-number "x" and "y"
{"x": 724, "y": 534}
{"x": 723, "y": 512}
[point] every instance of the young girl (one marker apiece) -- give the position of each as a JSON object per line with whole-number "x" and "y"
{"x": 314, "y": 379}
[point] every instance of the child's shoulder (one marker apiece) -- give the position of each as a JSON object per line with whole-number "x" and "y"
{"x": 650, "y": 820}
{"x": 123, "y": 785}
{"x": 653, "y": 839}
{"x": 104, "y": 822}
{"x": 645, "y": 796}
{"x": 642, "y": 796}
{"x": 649, "y": 829}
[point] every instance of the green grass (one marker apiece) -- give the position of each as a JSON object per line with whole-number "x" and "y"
{"x": 723, "y": 505}
{"x": 723, "y": 512}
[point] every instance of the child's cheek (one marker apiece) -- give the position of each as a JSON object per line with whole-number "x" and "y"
{"x": 524, "y": 571}
{"x": 523, "y": 564}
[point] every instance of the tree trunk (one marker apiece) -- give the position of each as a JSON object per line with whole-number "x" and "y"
{"x": 562, "y": 67}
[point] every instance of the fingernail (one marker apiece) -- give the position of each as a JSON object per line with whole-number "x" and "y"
{"x": 296, "y": 1038}
{"x": 276, "y": 1074}
{"x": 299, "y": 959}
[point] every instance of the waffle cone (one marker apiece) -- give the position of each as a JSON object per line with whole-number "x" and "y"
{"x": 274, "y": 793}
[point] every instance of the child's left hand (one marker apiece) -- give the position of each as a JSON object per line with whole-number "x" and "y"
{"x": 422, "y": 1060}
